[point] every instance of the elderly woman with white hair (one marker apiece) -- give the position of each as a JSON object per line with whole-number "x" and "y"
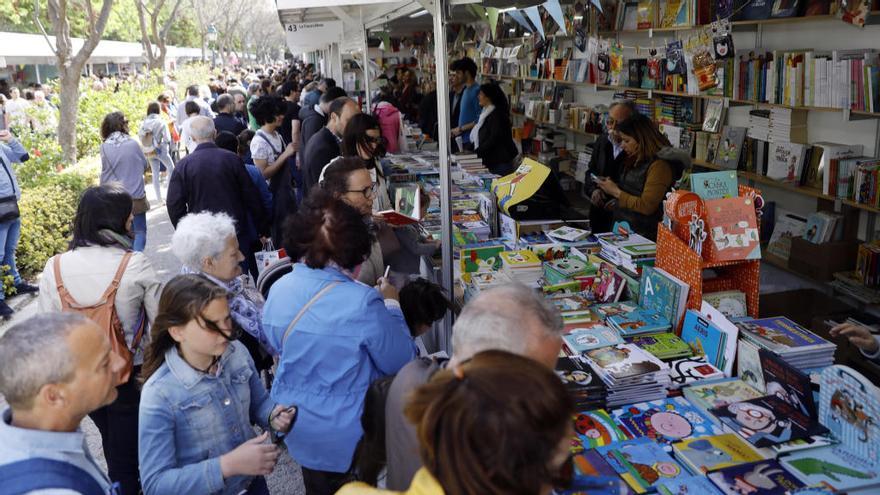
{"x": 205, "y": 243}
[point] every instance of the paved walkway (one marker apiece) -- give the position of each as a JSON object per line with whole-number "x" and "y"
{"x": 287, "y": 478}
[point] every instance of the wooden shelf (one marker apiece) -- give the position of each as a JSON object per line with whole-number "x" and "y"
{"x": 556, "y": 126}
{"x": 760, "y": 22}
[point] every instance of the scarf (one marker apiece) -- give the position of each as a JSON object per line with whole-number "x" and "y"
{"x": 475, "y": 132}
{"x": 112, "y": 238}
{"x": 117, "y": 139}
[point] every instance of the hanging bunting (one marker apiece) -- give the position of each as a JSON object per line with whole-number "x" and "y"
{"x": 386, "y": 42}
{"x": 555, "y": 10}
{"x": 517, "y": 16}
{"x": 493, "y": 20}
{"x": 478, "y": 11}
{"x": 597, "y": 4}
{"x": 535, "y": 17}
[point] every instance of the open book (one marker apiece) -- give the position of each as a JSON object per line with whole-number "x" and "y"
{"x": 407, "y": 207}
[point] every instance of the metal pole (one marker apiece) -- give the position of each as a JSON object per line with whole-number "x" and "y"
{"x": 443, "y": 135}
{"x": 367, "y": 97}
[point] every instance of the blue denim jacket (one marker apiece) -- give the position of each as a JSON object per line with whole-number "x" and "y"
{"x": 347, "y": 339}
{"x": 11, "y": 152}
{"x": 188, "y": 419}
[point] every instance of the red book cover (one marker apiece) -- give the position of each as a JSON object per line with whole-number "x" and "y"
{"x": 732, "y": 230}
{"x": 394, "y": 218}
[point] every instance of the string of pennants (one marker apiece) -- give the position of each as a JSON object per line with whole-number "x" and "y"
{"x": 533, "y": 24}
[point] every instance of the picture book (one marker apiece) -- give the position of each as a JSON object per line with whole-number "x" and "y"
{"x": 704, "y": 454}
{"x": 756, "y": 10}
{"x": 674, "y": 13}
{"x": 664, "y": 293}
{"x": 571, "y": 303}
{"x": 832, "y": 467}
{"x": 703, "y": 337}
{"x": 788, "y": 226}
{"x": 641, "y": 463}
{"x": 728, "y": 349}
{"x": 664, "y": 346}
{"x": 748, "y": 364}
{"x": 781, "y": 335}
{"x": 731, "y": 303}
{"x": 715, "y": 185}
{"x": 645, "y": 15}
{"x": 787, "y": 383}
{"x": 576, "y": 375}
{"x": 623, "y": 362}
{"x": 755, "y": 478}
{"x": 767, "y": 421}
{"x": 664, "y": 421}
{"x": 733, "y": 230}
{"x": 608, "y": 310}
{"x": 721, "y": 393}
{"x": 481, "y": 259}
{"x": 854, "y": 11}
{"x": 596, "y": 428}
{"x": 585, "y": 339}
{"x": 639, "y": 321}
{"x": 407, "y": 206}
{"x": 687, "y": 371}
{"x": 689, "y": 485}
{"x": 568, "y": 234}
{"x": 816, "y": 228}
{"x": 610, "y": 284}
{"x": 592, "y": 475}
{"x": 786, "y": 8}
{"x": 714, "y": 115}
{"x": 557, "y": 271}
{"x": 520, "y": 259}
{"x": 519, "y": 186}
{"x": 785, "y": 161}
{"x": 730, "y": 146}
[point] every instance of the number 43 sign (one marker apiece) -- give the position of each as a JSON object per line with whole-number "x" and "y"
{"x": 313, "y": 34}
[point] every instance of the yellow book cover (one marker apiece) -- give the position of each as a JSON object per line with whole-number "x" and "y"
{"x": 520, "y": 259}
{"x": 715, "y": 452}
{"x": 521, "y": 185}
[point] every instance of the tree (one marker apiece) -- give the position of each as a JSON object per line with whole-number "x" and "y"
{"x": 154, "y": 32}
{"x": 70, "y": 66}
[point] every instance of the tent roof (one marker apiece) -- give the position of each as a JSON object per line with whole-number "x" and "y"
{"x": 20, "y": 48}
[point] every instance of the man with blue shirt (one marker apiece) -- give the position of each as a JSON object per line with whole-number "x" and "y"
{"x": 11, "y": 151}
{"x": 57, "y": 368}
{"x": 465, "y": 71}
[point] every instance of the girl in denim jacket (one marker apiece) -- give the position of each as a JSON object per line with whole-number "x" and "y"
{"x": 200, "y": 399}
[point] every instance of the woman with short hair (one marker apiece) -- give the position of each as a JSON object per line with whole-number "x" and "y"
{"x": 101, "y": 251}
{"x": 496, "y": 424}
{"x": 123, "y": 161}
{"x": 336, "y": 336}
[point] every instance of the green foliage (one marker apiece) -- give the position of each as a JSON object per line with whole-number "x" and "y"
{"x": 7, "y": 281}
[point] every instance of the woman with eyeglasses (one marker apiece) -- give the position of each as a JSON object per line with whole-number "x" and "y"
{"x": 201, "y": 398}
{"x": 336, "y": 335}
{"x": 123, "y": 161}
{"x": 363, "y": 138}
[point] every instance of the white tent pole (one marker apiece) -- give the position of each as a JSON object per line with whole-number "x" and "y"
{"x": 368, "y": 98}
{"x": 443, "y": 134}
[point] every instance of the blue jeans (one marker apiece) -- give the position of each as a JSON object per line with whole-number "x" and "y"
{"x": 139, "y": 227}
{"x": 162, "y": 158}
{"x": 9, "y": 234}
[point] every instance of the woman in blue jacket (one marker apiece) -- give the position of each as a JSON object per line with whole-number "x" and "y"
{"x": 336, "y": 336}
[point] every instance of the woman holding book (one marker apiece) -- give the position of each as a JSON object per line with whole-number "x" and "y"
{"x": 651, "y": 169}
{"x": 492, "y": 137}
{"x": 461, "y": 414}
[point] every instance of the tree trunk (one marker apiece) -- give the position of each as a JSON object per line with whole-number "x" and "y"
{"x": 69, "y": 103}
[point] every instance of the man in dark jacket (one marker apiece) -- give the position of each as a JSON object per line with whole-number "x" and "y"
{"x": 324, "y": 146}
{"x": 213, "y": 179}
{"x": 313, "y": 118}
{"x": 607, "y": 161}
{"x": 225, "y": 120}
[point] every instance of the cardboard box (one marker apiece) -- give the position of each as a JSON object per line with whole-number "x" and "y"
{"x": 821, "y": 261}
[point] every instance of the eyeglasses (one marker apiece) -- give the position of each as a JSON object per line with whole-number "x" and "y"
{"x": 368, "y": 192}
{"x": 377, "y": 139}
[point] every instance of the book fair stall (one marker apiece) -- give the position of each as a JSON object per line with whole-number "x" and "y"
{"x": 690, "y": 374}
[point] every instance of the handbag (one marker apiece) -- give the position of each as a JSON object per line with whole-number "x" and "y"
{"x": 9, "y": 209}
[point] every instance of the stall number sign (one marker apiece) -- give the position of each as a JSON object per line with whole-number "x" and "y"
{"x": 313, "y": 34}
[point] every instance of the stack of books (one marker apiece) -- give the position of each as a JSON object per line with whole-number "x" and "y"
{"x": 798, "y": 346}
{"x": 690, "y": 370}
{"x": 582, "y": 383}
{"x": 704, "y": 454}
{"x": 759, "y": 124}
{"x": 522, "y": 266}
{"x": 655, "y": 420}
{"x": 664, "y": 346}
{"x": 638, "y": 321}
{"x": 483, "y": 281}
{"x": 706, "y": 337}
{"x": 566, "y": 269}
{"x": 469, "y": 162}
{"x": 629, "y": 252}
{"x": 631, "y": 374}
{"x": 574, "y": 308}
{"x": 579, "y": 338}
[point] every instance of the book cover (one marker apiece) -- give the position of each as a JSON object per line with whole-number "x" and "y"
{"x": 721, "y": 393}
{"x": 623, "y": 361}
{"x": 569, "y": 267}
{"x": 748, "y": 365}
{"x": 757, "y": 478}
{"x": 581, "y": 340}
{"x": 639, "y": 321}
{"x": 709, "y": 453}
{"x": 731, "y": 334}
{"x": 571, "y": 303}
{"x": 703, "y": 337}
{"x": 785, "y": 161}
{"x": 854, "y": 11}
{"x": 788, "y": 226}
{"x": 817, "y": 226}
{"x": 577, "y": 376}
{"x": 733, "y": 230}
{"x": 687, "y": 371}
{"x": 690, "y": 485}
{"x": 659, "y": 293}
{"x": 593, "y": 475}
{"x": 407, "y": 201}
{"x": 781, "y": 335}
{"x": 848, "y": 402}
{"x": 787, "y": 383}
{"x": 608, "y": 310}
{"x": 731, "y": 303}
{"x": 785, "y": 8}
{"x": 568, "y": 234}
{"x": 645, "y": 15}
{"x": 662, "y": 345}
{"x": 833, "y": 467}
{"x": 481, "y": 259}
{"x": 520, "y": 259}
{"x": 641, "y": 463}
{"x": 730, "y": 146}
{"x": 714, "y": 115}
{"x": 756, "y": 10}
{"x": 674, "y": 13}
{"x": 715, "y": 185}
{"x": 767, "y": 421}
{"x": 596, "y": 429}
{"x": 664, "y": 421}
{"x": 610, "y": 284}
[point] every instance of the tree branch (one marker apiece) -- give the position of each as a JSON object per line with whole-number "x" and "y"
{"x": 39, "y": 24}
{"x": 94, "y": 37}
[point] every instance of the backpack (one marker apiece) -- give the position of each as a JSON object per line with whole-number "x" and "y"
{"x": 148, "y": 144}
{"x": 104, "y": 314}
{"x": 18, "y": 478}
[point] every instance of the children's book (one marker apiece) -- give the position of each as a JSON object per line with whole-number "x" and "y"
{"x": 687, "y": 371}
{"x": 788, "y": 226}
{"x": 568, "y": 234}
{"x": 721, "y": 393}
{"x": 608, "y": 310}
{"x": 641, "y": 463}
{"x": 690, "y": 485}
{"x": 610, "y": 285}
{"x": 767, "y": 421}
{"x": 731, "y": 332}
{"x": 756, "y": 478}
{"x": 782, "y": 336}
{"x": 703, "y": 337}
{"x": 639, "y": 322}
{"x": 664, "y": 421}
{"x": 664, "y": 293}
{"x": 623, "y": 363}
{"x": 715, "y": 185}
{"x": 407, "y": 206}
{"x": 558, "y": 270}
{"x": 596, "y": 428}
{"x": 571, "y": 303}
{"x": 581, "y": 340}
{"x": 704, "y": 454}
{"x": 593, "y": 475}
{"x": 786, "y": 161}
{"x": 674, "y": 13}
{"x": 481, "y": 259}
{"x": 730, "y": 146}
{"x": 520, "y": 259}
{"x": 733, "y": 230}
{"x": 664, "y": 346}
{"x": 714, "y": 115}
{"x": 748, "y": 365}
{"x": 787, "y": 383}
{"x": 731, "y": 303}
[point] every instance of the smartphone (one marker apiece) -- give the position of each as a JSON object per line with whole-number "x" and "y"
{"x": 594, "y": 177}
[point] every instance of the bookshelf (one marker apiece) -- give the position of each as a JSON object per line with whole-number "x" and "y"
{"x": 556, "y": 126}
